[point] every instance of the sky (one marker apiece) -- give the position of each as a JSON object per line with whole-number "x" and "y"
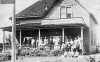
{"x": 5, "y": 13}
{"x": 93, "y": 6}
{"x": 20, "y": 6}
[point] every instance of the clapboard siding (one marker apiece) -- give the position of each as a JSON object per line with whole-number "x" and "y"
{"x": 6, "y": 1}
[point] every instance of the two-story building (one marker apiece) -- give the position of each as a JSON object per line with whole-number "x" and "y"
{"x": 56, "y": 19}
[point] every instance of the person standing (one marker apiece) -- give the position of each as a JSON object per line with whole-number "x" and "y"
{"x": 71, "y": 42}
{"x": 76, "y": 45}
{"x": 80, "y": 45}
{"x": 33, "y": 42}
{"x": 56, "y": 42}
{"x": 45, "y": 41}
{"x": 25, "y": 41}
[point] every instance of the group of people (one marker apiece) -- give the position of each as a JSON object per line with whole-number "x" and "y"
{"x": 29, "y": 41}
{"x": 70, "y": 45}
{"x": 73, "y": 46}
{"x": 35, "y": 42}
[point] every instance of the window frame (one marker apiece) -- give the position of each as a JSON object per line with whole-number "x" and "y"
{"x": 66, "y": 13}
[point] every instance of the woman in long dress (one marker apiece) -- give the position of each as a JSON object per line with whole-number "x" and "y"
{"x": 33, "y": 42}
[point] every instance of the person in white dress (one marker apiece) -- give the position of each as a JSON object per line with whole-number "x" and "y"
{"x": 45, "y": 41}
{"x": 32, "y": 42}
{"x": 56, "y": 43}
{"x": 40, "y": 42}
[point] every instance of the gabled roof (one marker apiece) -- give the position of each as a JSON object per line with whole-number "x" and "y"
{"x": 37, "y": 10}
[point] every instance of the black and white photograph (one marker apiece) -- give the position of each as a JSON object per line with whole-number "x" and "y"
{"x": 49, "y": 31}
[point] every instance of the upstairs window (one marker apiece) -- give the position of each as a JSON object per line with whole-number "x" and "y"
{"x": 65, "y": 12}
{"x": 69, "y": 12}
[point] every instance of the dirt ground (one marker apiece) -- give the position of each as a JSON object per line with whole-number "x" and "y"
{"x": 49, "y": 59}
{"x": 57, "y": 59}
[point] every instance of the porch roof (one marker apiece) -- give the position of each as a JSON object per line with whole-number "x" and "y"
{"x": 47, "y": 23}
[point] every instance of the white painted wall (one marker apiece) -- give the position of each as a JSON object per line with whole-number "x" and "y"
{"x": 78, "y": 11}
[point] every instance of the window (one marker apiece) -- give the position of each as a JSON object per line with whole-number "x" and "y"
{"x": 69, "y": 12}
{"x": 65, "y": 12}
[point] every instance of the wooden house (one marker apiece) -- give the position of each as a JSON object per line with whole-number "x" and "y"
{"x": 50, "y": 18}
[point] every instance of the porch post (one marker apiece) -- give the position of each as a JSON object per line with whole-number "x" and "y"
{"x": 62, "y": 34}
{"x": 39, "y": 36}
{"x": 82, "y": 39}
{"x": 20, "y": 37}
{"x": 3, "y": 40}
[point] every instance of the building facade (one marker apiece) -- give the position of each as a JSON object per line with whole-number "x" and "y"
{"x": 56, "y": 22}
